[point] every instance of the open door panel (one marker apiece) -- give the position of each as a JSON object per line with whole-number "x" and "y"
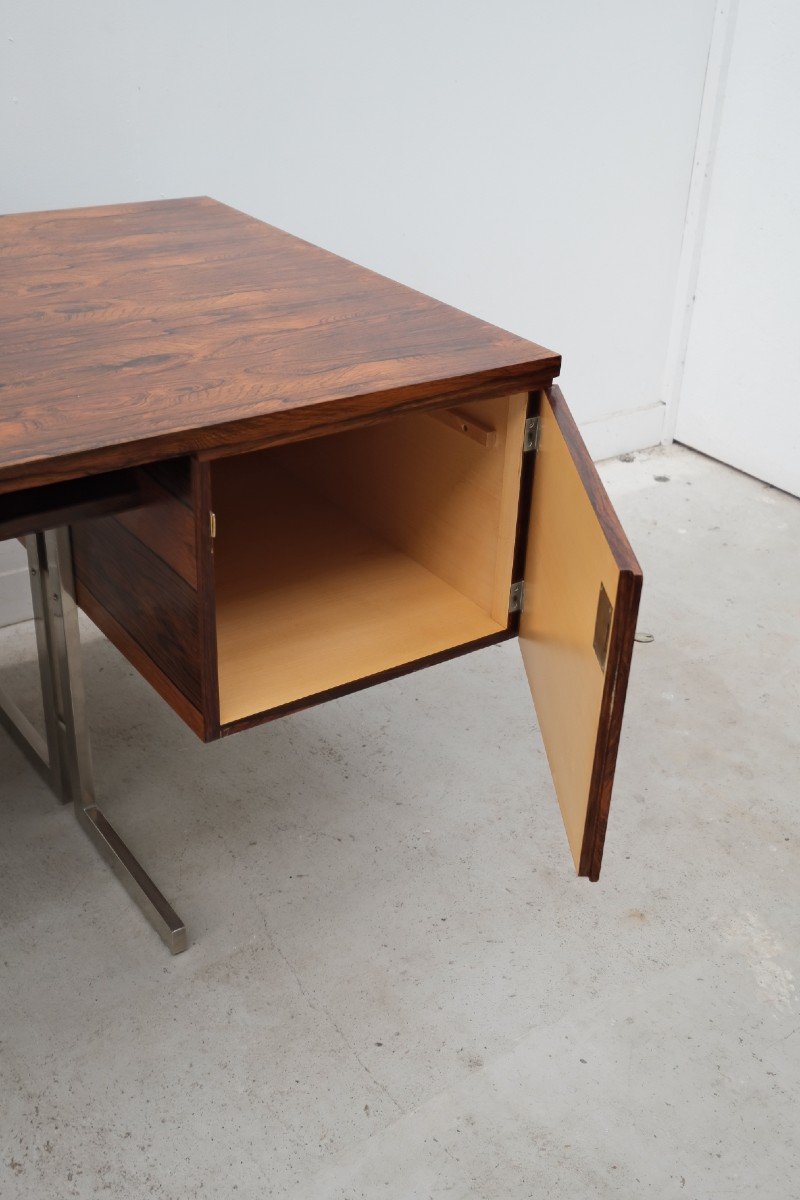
{"x": 582, "y": 586}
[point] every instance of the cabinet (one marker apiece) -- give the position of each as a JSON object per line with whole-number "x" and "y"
{"x": 246, "y": 586}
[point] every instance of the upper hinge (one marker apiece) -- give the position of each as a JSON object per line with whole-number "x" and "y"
{"x": 212, "y": 524}
{"x": 516, "y": 597}
{"x": 531, "y": 439}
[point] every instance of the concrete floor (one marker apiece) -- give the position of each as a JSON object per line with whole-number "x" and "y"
{"x": 397, "y": 988}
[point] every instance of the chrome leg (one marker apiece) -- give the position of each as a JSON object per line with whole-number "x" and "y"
{"x": 65, "y": 760}
{"x": 45, "y": 754}
{"x": 46, "y": 596}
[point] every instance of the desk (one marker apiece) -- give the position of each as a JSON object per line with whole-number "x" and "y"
{"x": 272, "y": 477}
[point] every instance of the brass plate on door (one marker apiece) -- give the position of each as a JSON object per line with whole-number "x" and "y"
{"x": 602, "y": 627}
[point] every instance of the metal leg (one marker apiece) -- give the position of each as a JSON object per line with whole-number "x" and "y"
{"x": 45, "y": 594}
{"x": 65, "y": 762}
{"x": 46, "y": 755}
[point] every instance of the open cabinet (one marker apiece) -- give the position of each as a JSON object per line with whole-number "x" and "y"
{"x": 349, "y": 557}
{"x": 279, "y": 578}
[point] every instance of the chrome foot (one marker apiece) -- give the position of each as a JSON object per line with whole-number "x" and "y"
{"x": 133, "y": 877}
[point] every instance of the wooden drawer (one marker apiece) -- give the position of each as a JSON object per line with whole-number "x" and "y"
{"x": 247, "y": 587}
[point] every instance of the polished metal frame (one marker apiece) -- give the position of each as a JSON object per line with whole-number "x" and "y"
{"x": 63, "y": 757}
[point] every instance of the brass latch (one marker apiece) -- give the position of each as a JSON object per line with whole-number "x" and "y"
{"x": 602, "y": 627}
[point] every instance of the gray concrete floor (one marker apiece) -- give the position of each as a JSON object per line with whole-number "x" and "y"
{"x": 397, "y": 988}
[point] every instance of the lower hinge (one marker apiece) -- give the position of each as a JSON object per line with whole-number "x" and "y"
{"x": 531, "y": 438}
{"x": 516, "y": 597}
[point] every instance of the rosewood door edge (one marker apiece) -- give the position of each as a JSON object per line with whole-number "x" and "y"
{"x": 620, "y": 654}
{"x": 617, "y": 539}
{"x": 621, "y": 640}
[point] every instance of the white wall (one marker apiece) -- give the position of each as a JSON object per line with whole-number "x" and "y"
{"x": 528, "y": 161}
{"x": 740, "y": 399}
{"x": 522, "y": 159}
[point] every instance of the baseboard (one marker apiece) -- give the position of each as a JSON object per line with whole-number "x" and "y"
{"x": 622, "y": 432}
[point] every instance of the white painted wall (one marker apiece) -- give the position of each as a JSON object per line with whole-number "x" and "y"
{"x": 525, "y": 160}
{"x": 522, "y": 159}
{"x": 740, "y": 399}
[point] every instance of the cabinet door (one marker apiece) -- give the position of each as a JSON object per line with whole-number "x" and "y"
{"x": 582, "y": 586}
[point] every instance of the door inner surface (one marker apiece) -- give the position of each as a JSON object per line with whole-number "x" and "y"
{"x": 582, "y": 586}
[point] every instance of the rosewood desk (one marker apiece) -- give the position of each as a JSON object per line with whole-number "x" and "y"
{"x": 272, "y": 477}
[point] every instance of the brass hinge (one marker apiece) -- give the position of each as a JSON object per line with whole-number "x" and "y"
{"x": 531, "y": 439}
{"x": 516, "y": 597}
{"x": 212, "y": 524}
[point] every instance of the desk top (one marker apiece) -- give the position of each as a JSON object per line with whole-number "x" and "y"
{"x": 135, "y": 332}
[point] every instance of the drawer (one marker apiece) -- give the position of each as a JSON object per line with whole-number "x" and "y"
{"x": 248, "y": 587}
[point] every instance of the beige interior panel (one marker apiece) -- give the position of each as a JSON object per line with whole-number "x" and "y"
{"x": 309, "y": 599}
{"x": 444, "y": 497}
{"x": 568, "y": 558}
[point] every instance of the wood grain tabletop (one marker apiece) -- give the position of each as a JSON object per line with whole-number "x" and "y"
{"x": 135, "y": 332}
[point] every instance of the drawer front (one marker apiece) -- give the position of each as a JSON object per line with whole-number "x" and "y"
{"x": 136, "y": 577}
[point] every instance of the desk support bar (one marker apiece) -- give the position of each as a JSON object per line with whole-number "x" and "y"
{"x": 65, "y": 761}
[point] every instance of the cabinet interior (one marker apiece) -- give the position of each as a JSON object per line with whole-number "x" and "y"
{"x": 345, "y": 556}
